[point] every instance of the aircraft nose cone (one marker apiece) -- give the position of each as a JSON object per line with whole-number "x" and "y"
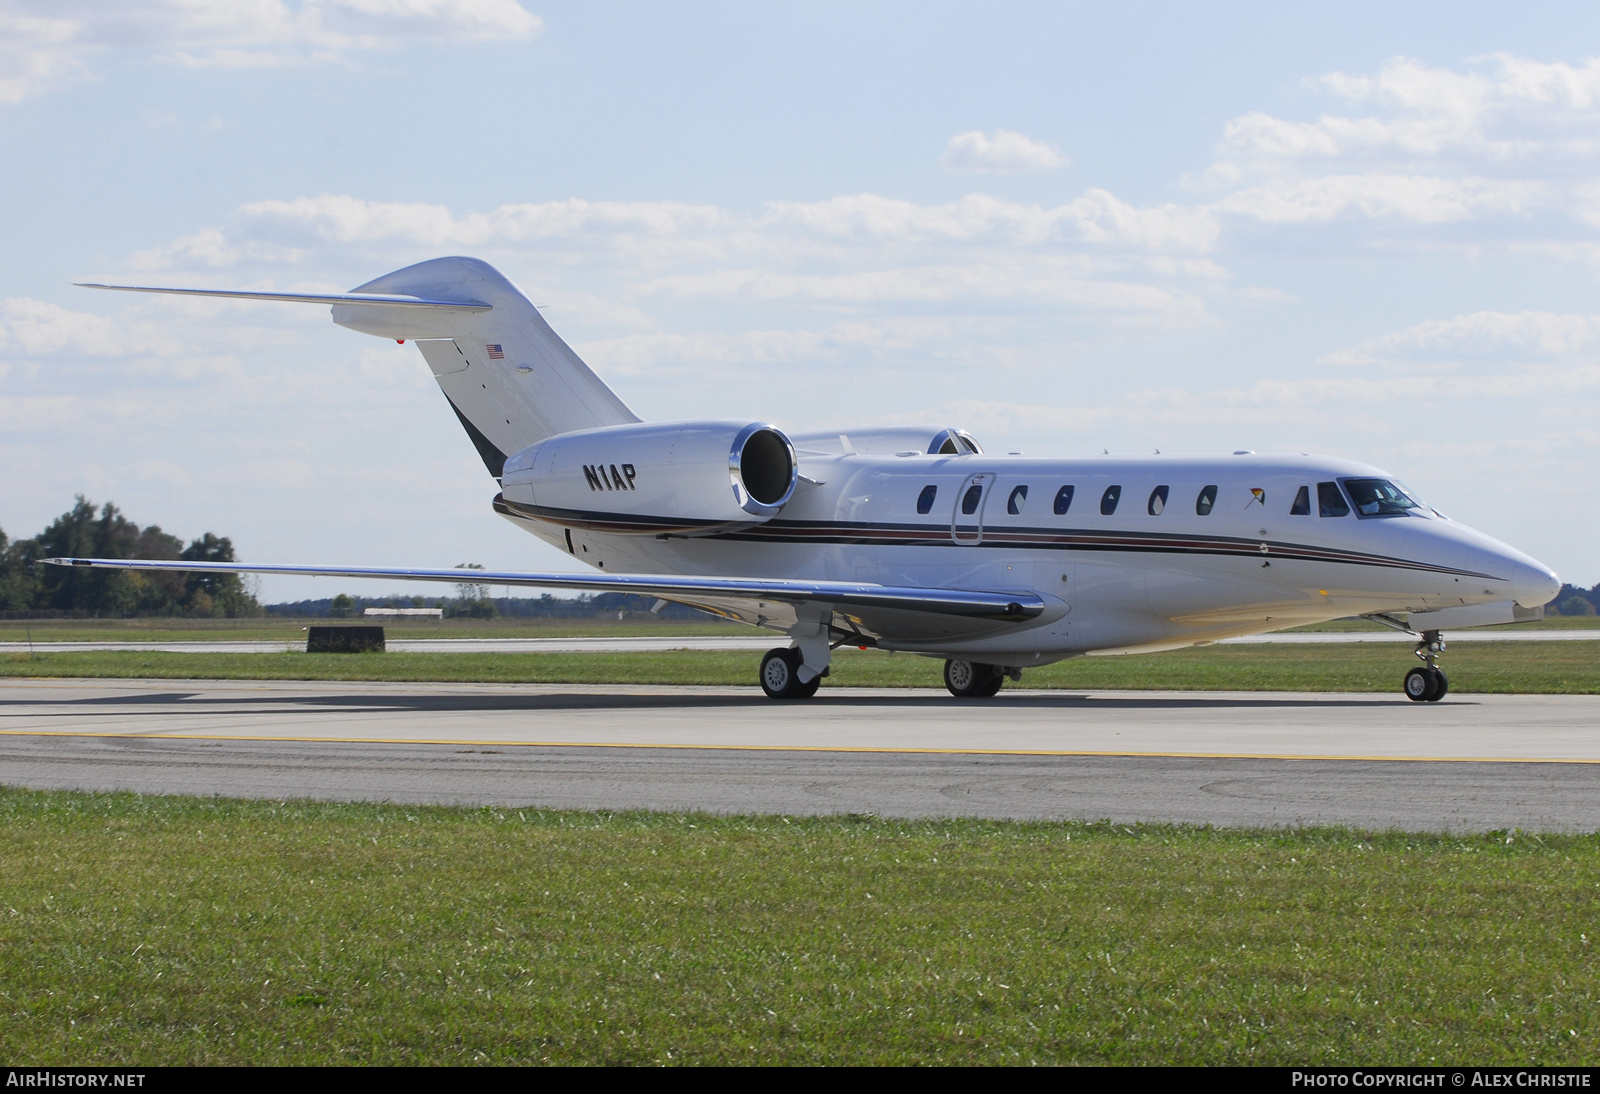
{"x": 1533, "y": 584}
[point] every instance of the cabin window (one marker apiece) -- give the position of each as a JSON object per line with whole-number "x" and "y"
{"x": 1203, "y": 503}
{"x": 1015, "y": 502}
{"x": 1158, "y": 501}
{"x": 925, "y": 499}
{"x": 1378, "y": 498}
{"x": 969, "y": 501}
{"x": 1302, "y": 503}
{"x": 1331, "y": 503}
{"x": 1108, "y": 500}
{"x": 1063, "y": 500}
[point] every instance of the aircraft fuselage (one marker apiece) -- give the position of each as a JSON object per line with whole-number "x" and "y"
{"x": 1130, "y": 553}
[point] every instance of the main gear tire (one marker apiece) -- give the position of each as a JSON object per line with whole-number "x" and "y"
{"x": 780, "y": 675}
{"x": 971, "y": 680}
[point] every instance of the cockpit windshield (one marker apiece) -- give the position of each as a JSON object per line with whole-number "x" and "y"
{"x": 1380, "y": 498}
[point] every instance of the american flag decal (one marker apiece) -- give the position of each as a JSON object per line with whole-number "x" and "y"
{"x": 496, "y": 353}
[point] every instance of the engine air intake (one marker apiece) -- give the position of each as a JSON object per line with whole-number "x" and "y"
{"x": 764, "y": 470}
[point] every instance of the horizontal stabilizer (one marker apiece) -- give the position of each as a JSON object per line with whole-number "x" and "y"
{"x": 383, "y": 299}
{"x": 841, "y": 594}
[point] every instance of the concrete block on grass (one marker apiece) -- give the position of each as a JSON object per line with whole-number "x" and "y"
{"x": 344, "y": 640}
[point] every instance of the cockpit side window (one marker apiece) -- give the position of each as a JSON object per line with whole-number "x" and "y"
{"x": 1158, "y": 501}
{"x": 1379, "y": 498}
{"x": 925, "y": 499}
{"x": 1063, "y": 500}
{"x": 1331, "y": 503}
{"x": 1203, "y": 503}
{"x": 1108, "y": 500}
{"x": 1018, "y": 498}
{"x": 1302, "y": 503}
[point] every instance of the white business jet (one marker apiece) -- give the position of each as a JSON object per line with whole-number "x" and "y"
{"x": 912, "y": 539}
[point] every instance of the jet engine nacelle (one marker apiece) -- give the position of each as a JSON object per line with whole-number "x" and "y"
{"x": 655, "y": 477}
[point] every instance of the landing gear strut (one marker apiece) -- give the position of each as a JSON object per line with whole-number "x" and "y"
{"x": 780, "y": 675}
{"x": 970, "y": 680}
{"x": 1427, "y": 683}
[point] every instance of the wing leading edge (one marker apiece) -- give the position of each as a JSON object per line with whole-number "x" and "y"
{"x": 960, "y": 603}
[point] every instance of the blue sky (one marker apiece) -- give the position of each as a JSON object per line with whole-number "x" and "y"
{"x": 1066, "y": 228}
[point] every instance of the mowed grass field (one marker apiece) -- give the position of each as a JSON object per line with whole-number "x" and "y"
{"x": 1498, "y": 667}
{"x": 636, "y": 624}
{"x": 146, "y": 931}
{"x": 288, "y": 630}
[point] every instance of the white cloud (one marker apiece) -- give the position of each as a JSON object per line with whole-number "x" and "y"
{"x": 46, "y": 44}
{"x": 661, "y": 353}
{"x": 1415, "y": 199}
{"x": 965, "y": 284}
{"x": 1501, "y": 140}
{"x": 862, "y": 219}
{"x": 1484, "y": 334}
{"x": 212, "y": 247}
{"x": 1096, "y": 252}
{"x": 38, "y": 53}
{"x": 34, "y": 327}
{"x": 1519, "y": 111}
{"x": 39, "y": 413}
{"x": 1097, "y": 217}
{"x": 1003, "y": 152}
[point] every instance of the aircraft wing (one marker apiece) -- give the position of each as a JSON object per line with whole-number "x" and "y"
{"x": 842, "y": 596}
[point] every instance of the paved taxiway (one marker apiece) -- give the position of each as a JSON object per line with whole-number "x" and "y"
{"x": 1247, "y": 758}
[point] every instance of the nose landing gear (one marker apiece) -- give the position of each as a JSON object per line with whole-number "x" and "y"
{"x": 1427, "y": 683}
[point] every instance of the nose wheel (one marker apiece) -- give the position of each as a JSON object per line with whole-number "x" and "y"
{"x": 1427, "y": 683}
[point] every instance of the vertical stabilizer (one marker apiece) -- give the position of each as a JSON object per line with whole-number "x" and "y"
{"x": 510, "y": 378}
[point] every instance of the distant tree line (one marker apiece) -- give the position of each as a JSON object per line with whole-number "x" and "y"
{"x": 526, "y": 607}
{"x": 27, "y": 586}
{"x": 1572, "y": 600}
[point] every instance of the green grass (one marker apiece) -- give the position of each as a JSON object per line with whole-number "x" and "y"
{"x": 1549, "y": 623}
{"x": 273, "y": 629}
{"x": 150, "y": 931}
{"x": 637, "y": 624}
{"x": 1502, "y": 667}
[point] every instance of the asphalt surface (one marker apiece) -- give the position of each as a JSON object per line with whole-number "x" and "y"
{"x": 752, "y": 643}
{"x": 1470, "y": 763}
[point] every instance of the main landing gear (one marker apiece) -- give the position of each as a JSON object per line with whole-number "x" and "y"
{"x": 1427, "y": 683}
{"x": 971, "y": 680}
{"x": 780, "y": 675}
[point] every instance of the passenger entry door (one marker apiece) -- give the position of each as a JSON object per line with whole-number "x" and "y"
{"x": 966, "y": 520}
